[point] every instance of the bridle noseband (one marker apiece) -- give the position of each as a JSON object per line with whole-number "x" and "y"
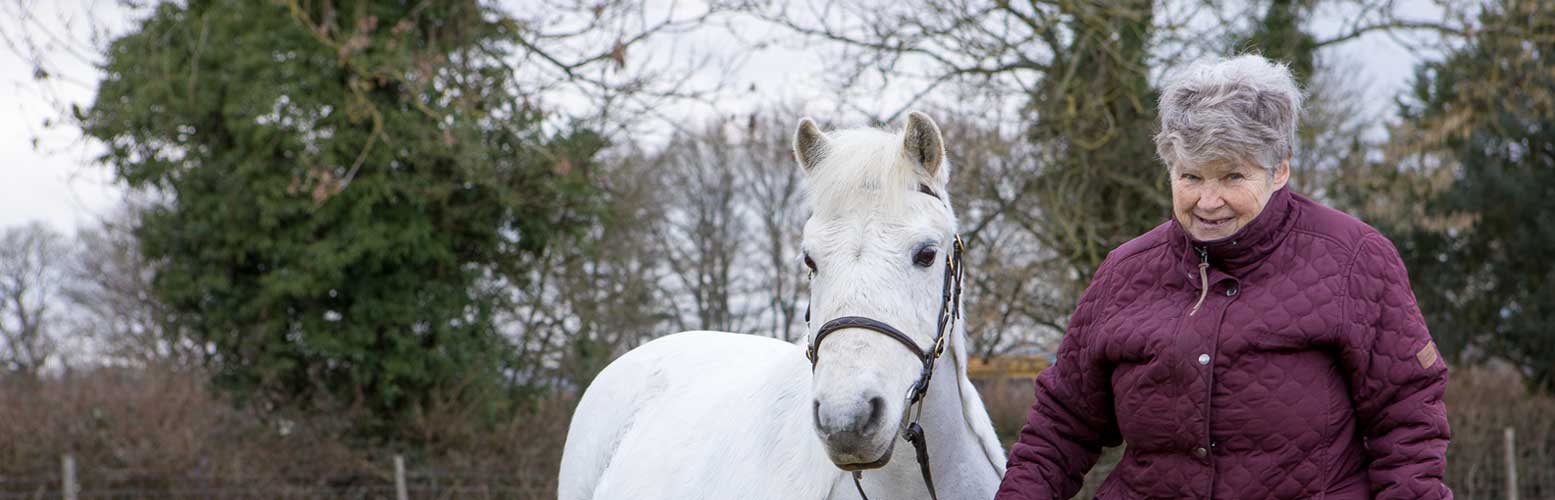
{"x": 950, "y": 311}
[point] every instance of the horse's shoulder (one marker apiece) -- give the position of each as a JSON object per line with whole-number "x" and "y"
{"x": 712, "y": 415}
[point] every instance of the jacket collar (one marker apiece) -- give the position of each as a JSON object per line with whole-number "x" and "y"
{"x": 1248, "y": 245}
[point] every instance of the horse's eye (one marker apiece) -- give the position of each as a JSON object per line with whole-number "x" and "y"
{"x": 809, "y": 263}
{"x": 924, "y": 257}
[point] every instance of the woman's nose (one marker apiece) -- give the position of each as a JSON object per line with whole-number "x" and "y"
{"x": 1210, "y": 199}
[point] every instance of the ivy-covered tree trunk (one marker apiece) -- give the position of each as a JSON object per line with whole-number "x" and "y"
{"x": 1093, "y": 115}
{"x": 348, "y": 186}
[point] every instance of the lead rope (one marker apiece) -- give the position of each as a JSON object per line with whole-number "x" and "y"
{"x": 1203, "y": 280}
{"x": 914, "y": 435}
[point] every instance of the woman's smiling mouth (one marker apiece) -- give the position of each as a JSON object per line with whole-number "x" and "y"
{"x": 1213, "y": 225}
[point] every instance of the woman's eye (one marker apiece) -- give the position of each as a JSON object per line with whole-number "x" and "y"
{"x": 1234, "y": 177}
{"x": 924, "y": 257}
{"x": 1190, "y": 177}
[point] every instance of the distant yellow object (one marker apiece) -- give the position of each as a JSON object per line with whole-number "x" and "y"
{"x": 1006, "y": 367}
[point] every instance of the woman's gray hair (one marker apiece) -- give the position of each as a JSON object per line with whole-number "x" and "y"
{"x": 1244, "y": 108}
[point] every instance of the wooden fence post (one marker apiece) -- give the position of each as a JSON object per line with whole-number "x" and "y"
{"x": 1511, "y": 464}
{"x": 67, "y": 473}
{"x": 400, "y": 491}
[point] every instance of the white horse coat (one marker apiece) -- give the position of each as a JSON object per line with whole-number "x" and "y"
{"x": 713, "y": 415}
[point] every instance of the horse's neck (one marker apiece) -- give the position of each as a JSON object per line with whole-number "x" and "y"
{"x": 961, "y": 408}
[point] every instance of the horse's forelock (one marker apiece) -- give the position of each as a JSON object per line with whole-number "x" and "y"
{"x": 863, "y": 167}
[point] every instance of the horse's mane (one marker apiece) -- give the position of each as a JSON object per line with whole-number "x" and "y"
{"x": 863, "y": 168}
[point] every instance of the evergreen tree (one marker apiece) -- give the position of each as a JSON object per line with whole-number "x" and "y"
{"x": 1479, "y": 239}
{"x": 348, "y": 186}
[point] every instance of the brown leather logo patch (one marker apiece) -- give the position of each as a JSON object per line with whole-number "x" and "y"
{"x": 1427, "y": 355}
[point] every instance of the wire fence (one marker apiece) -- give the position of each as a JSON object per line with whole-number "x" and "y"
{"x": 397, "y": 483}
{"x": 1495, "y": 476}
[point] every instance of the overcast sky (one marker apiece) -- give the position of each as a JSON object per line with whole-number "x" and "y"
{"x": 48, "y": 174}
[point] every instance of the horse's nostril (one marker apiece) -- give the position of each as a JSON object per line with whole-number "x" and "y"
{"x": 876, "y": 411}
{"x": 858, "y": 419}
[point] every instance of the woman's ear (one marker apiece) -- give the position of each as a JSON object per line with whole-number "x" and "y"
{"x": 1282, "y": 175}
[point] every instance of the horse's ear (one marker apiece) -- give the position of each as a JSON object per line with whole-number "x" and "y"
{"x": 923, "y": 143}
{"x": 809, "y": 143}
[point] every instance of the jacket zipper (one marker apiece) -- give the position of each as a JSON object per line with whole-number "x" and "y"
{"x": 1203, "y": 279}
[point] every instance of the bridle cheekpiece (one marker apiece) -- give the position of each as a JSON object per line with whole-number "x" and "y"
{"x": 950, "y": 311}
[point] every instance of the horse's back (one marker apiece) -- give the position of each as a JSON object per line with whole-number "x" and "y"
{"x": 695, "y": 415}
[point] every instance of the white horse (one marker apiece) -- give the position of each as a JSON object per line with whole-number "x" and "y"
{"x": 712, "y": 415}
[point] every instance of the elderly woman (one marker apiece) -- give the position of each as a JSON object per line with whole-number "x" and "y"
{"x": 1258, "y": 345}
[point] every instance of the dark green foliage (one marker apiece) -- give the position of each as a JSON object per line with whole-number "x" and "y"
{"x": 1279, "y": 36}
{"x": 1480, "y": 255}
{"x": 349, "y": 186}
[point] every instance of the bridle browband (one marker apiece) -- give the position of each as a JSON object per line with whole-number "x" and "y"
{"x": 950, "y": 311}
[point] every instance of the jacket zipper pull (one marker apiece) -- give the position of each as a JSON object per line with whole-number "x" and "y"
{"x": 1203, "y": 279}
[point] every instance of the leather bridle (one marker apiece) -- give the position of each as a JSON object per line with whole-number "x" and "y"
{"x": 950, "y": 311}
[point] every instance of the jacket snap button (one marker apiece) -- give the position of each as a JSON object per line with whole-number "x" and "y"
{"x": 1231, "y": 292}
{"x": 1200, "y": 452}
{"x": 1203, "y": 359}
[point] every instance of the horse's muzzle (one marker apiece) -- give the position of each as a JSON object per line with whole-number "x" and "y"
{"x": 854, "y": 434}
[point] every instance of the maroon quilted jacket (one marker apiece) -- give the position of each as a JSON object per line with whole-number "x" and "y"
{"x": 1306, "y": 370}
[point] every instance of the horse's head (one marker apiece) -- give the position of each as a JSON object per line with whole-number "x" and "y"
{"x": 880, "y": 228}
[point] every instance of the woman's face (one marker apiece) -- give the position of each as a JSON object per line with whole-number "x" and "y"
{"x": 1213, "y": 200}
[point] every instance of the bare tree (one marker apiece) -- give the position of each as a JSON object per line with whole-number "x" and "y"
{"x": 772, "y": 189}
{"x": 1010, "y": 304}
{"x": 1332, "y": 122}
{"x": 618, "y": 59}
{"x": 599, "y": 294}
{"x": 1074, "y": 81}
{"x": 703, "y": 236}
{"x": 731, "y": 230}
{"x": 1070, "y": 80}
{"x": 113, "y": 302}
{"x": 607, "y": 65}
{"x": 31, "y": 278}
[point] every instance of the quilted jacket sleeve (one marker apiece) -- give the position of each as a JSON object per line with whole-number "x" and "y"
{"x": 1396, "y": 376}
{"x": 1072, "y": 418}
